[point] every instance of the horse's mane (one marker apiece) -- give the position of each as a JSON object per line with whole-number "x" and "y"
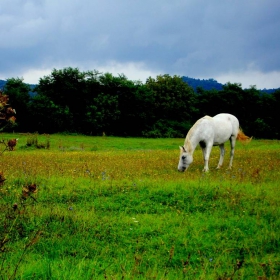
{"x": 207, "y": 117}
{"x": 188, "y": 145}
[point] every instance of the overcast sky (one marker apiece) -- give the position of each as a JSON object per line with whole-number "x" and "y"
{"x": 227, "y": 40}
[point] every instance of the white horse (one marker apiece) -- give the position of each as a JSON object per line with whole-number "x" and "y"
{"x": 209, "y": 132}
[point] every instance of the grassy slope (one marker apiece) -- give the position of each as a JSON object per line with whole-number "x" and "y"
{"x": 117, "y": 208}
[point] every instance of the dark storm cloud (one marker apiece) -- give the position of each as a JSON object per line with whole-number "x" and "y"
{"x": 197, "y": 38}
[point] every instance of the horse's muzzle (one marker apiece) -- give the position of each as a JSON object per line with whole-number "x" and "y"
{"x": 182, "y": 169}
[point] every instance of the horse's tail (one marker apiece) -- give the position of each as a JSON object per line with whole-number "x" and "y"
{"x": 242, "y": 137}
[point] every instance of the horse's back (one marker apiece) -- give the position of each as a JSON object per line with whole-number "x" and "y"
{"x": 226, "y": 125}
{"x": 225, "y": 116}
{"x": 228, "y": 118}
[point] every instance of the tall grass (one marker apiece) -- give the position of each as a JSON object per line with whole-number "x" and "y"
{"x": 116, "y": 208}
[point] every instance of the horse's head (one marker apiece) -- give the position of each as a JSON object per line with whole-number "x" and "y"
{"x": 185, "y": 159}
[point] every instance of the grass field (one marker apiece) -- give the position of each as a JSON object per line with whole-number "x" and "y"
{"x": 84, "y": 207}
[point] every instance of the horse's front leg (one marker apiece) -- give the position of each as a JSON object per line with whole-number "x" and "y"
{"x": 222, "y": 154}
{"x": 206, "y": 155}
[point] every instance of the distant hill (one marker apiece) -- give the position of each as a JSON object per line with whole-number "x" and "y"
{"x": 269, "y": 90}
{"x": 31, "y": 93}
{"x": 2, "y": 83}
{"x": 212, "y": 84}
{"x": 205, "y": 84}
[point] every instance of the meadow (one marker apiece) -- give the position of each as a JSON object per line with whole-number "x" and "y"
{"x": 82, "y": 207}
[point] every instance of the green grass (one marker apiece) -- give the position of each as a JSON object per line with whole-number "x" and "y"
{"x": 116, "y": 208}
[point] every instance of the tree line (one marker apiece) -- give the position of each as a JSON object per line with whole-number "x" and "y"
{"x": 94, "y": 103}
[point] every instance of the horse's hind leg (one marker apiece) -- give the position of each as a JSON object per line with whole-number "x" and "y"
{"x": 222, "y": 153}
{"x": 232, "y": 144}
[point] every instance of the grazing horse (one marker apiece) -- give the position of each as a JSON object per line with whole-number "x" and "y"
{"x": 209, "y": 132}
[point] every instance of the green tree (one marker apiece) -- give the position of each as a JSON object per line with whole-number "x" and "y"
{"x": 136, "y": 104}
{"x": 102, "y": 104}
{"x": 133, "y": 111}
{"x": 64, "y": 94}
{"x": 174, "y": 106}
{"x": 240, "y": 103}
{"x": 48, "y": 117}
{"x": 7, "y": 113}
{"x": 18, "y": 93}
{"x": 268, "y": 114}
{"x": 85, "y": 102}
{"x": 208, "y": 102}
{"x": 275, "y": 114}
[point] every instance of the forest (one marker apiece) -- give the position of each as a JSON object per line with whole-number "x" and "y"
{"x": 93, "y": 103}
